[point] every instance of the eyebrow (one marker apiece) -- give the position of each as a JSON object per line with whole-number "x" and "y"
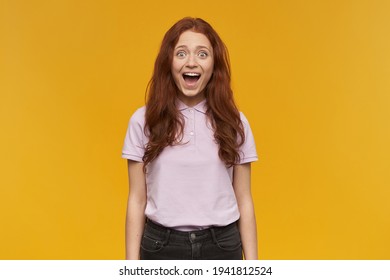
{"x": 197, "y": 47}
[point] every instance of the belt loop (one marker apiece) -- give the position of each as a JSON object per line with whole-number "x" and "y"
{"x": 213, "y": 235}
{"x": 167, "y": 235}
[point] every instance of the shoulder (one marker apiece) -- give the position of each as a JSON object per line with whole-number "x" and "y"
{"x": 244, "y": 120}
{"x": 138, "y": 116}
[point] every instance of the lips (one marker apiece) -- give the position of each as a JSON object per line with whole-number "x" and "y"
{"x": 191, "y": 78}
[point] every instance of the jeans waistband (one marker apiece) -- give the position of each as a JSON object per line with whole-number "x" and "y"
{"x": 209, "y": 233}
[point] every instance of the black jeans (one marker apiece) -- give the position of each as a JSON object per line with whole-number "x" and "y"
{"x": 215, "y": 243}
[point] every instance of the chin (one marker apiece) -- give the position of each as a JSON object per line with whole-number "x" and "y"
{"x": 190, "y": 94}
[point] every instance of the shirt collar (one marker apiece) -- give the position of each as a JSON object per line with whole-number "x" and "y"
{"x": 200, "y": 107}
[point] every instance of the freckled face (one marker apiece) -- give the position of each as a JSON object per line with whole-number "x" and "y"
{"x": 192, "y": 66}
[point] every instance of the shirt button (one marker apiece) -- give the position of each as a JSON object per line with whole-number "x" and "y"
{"x": 191, "y": 133}
{"x": 191, "y": 110}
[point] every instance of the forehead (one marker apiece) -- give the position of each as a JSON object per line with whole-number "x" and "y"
{"x": 193, "y": 39}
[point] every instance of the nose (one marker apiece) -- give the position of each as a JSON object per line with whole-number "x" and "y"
{"x": 191, "y": 62}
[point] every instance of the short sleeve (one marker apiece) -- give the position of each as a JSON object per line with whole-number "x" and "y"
{"x": 134, "y": 144}
{"x": 248, "y": 149}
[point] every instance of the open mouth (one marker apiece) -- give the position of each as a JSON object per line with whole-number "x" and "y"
{"x": 191, "y": 78}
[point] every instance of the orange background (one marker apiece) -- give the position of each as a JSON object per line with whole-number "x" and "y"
{"x": 312, "y": 77}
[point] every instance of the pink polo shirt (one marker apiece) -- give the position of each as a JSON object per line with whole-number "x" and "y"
{"x": 188, "y": 186}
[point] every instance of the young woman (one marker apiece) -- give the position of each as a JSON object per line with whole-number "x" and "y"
{"x": 189, "y": 152}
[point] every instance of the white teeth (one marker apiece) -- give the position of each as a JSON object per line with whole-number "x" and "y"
{"x": 192, "y": 74}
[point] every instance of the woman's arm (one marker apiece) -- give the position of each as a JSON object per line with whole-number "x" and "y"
{"x": 247, "y": 222}
{"x": 135, "y": 219}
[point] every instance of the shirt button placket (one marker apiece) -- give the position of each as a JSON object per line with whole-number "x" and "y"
{"x": 192, "y": 125}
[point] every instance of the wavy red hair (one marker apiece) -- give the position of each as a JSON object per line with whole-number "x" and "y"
{"x": 164, "y": 123}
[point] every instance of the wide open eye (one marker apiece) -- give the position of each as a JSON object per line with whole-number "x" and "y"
{"x": 181, "y": 54}
{"x": 203, "y": 54}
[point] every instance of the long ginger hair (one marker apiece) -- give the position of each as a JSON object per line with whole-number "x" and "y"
{"x": 164, "y": 124}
